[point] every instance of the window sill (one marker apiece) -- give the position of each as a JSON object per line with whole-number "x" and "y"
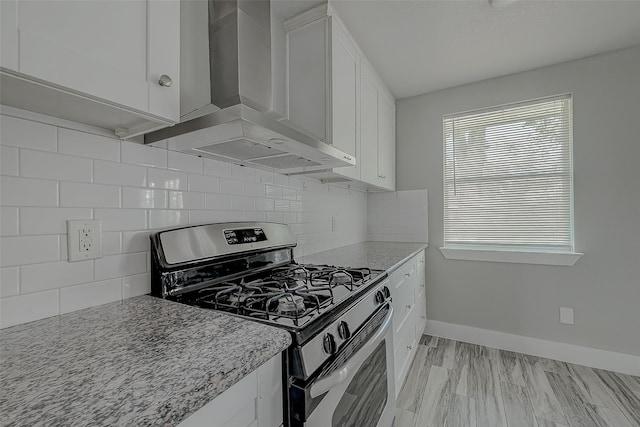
{"x": 518, "y": 257}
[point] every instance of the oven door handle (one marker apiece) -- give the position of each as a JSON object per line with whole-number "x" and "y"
{"x": 340, "y": 375}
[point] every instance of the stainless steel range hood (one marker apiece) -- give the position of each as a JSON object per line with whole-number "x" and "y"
{"x": 233, "y": 100}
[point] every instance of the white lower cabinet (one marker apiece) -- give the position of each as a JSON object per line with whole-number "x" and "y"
{"x": 409, "y": 318}
{"x": 254, "y": 401}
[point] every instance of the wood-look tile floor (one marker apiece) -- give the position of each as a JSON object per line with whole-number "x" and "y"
{"x": 456, "y": 384}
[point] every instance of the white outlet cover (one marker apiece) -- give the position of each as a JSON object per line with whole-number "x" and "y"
{"x": 74, "y": 228}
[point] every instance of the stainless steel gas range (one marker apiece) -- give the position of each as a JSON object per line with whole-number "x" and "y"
{"x": 338, "y": 370}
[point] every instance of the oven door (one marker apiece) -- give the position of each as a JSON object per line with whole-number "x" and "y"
{"x": 357, "y": 388}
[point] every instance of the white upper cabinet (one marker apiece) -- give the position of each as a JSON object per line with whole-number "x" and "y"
{"x": 323, "y": 69}
{"x": 345, "y": 96}
{"x": 121, "y": 56}
{"x": 335, "y": 96}
{"x": 387, "y": 142}
{"x": 378, "y": 134}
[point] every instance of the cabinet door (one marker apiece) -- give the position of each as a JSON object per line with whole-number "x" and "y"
{"x": 345, "y": 77}
{"x": 368, "y": 127}
{"x": 387, "y": 143}
{"x": 111, "y": 50}
{"x": 307, "y": 54}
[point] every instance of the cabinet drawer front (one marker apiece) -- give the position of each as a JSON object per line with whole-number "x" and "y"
{"x": 405, "y": 271}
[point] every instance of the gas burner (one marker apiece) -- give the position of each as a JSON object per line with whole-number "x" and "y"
{"x": 290, "y": 305}
{"x": 241, "y": 296}
{"x": 294, "y": 272}
{"x": 340, "y": 277}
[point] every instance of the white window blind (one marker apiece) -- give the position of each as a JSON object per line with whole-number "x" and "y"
{"x": 508, "y": 177}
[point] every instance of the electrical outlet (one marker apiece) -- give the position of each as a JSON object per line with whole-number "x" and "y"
{"x": 84, "y": 239}
{"x": 566, "y": 315}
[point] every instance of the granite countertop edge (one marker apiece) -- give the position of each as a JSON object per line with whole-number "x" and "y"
{"x": 393, "y": 268}
{"x": 144, "y": 361}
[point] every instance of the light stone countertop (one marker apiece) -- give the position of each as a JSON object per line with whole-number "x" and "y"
{"x": 376, "y": 255}
{"x": 145, "y": 361}
{"x": 139, "y": 362}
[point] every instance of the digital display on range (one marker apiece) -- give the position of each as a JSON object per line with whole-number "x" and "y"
{"x": 246, "y": 235}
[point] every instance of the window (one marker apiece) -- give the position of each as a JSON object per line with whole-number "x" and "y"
{"x": 508, "y": 182}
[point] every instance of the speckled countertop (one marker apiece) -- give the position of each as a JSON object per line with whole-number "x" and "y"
{"x": 140, "y": 362}
{"x": 376, "y": 255}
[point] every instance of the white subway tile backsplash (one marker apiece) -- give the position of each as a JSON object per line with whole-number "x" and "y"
{"x": 18, "y": 191}
{"x": 281, "y": 180}
{"x": 120, "y": 265}
{"x": 171, "y": 180}
{"x": 142, "y": 198}
{"x": 281, "y": 205}
{"x": 84, "y": 144}
{"x": 273, "y": 192}
{"x": 231, "y": 186}
{"x": 296, "y": 206}
{"x": 121, "y": 219}
{"x": 9, "y": 281}
{"x": 75, "y": 298}
{"x": 129, "y": 187}
{"x": 27, "y": 308}
{"x": 8, "y": 161}
{"x": 119, "y": 174}
{"x": 243, "y": 173}
{"x": 184, "y": 162}
{"x": 8, "y": 221}
{"x": 219, "y": 202}
{"x": 135, "y": 241}
{"x": 216, "y": 168}
{"x": 275, "y": 217}
{"x": 232, "y": 216}
{"x": 166, "y": 218}
{"x": 111, "y": 243}
{"x": 255, "y": 216}
{"x": 53, "y": 275}
{"x": 186, "y": 200}
{"x": 28, "y": 250}
{"x": 296, "y": 183}
{"x": 64, "y": 250}
{"x": 203, "y": 217}
{"x": 27, "y": 134}
{"x": 264, "y": 177}
{"x": 204, "y": 184}
{"x": 243, "y": 203}
{"x": 290, "y": 217}
{"x": 253, "y": 189}
{"x": 289, "y": 194}
{"x": 74, "y": 194}
{"x": 141, "y": 154}
{"x": 133, "y": 286}
{"x": 35, "y": 221}
{"x": 264, "y": 204}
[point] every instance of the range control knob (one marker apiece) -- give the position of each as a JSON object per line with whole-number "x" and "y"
{"x": 386, "y": 291}
{"x": 329, "y": 344}
{"x": 343, "y": 330}
{"x": 379, "y": 297}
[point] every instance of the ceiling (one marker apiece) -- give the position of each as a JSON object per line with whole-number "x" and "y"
{"x": 421, "y": 46}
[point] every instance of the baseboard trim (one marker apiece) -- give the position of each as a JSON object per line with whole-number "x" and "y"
{"x": 587, "y": 356}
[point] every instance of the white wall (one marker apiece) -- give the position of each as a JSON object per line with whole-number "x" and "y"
{"x": 604, "y": 286}
{"x": 51, "y": 174}
{"x": 398, "y": 216}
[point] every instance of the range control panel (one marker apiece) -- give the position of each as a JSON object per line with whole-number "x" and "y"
{"x": 246, "y": 235}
